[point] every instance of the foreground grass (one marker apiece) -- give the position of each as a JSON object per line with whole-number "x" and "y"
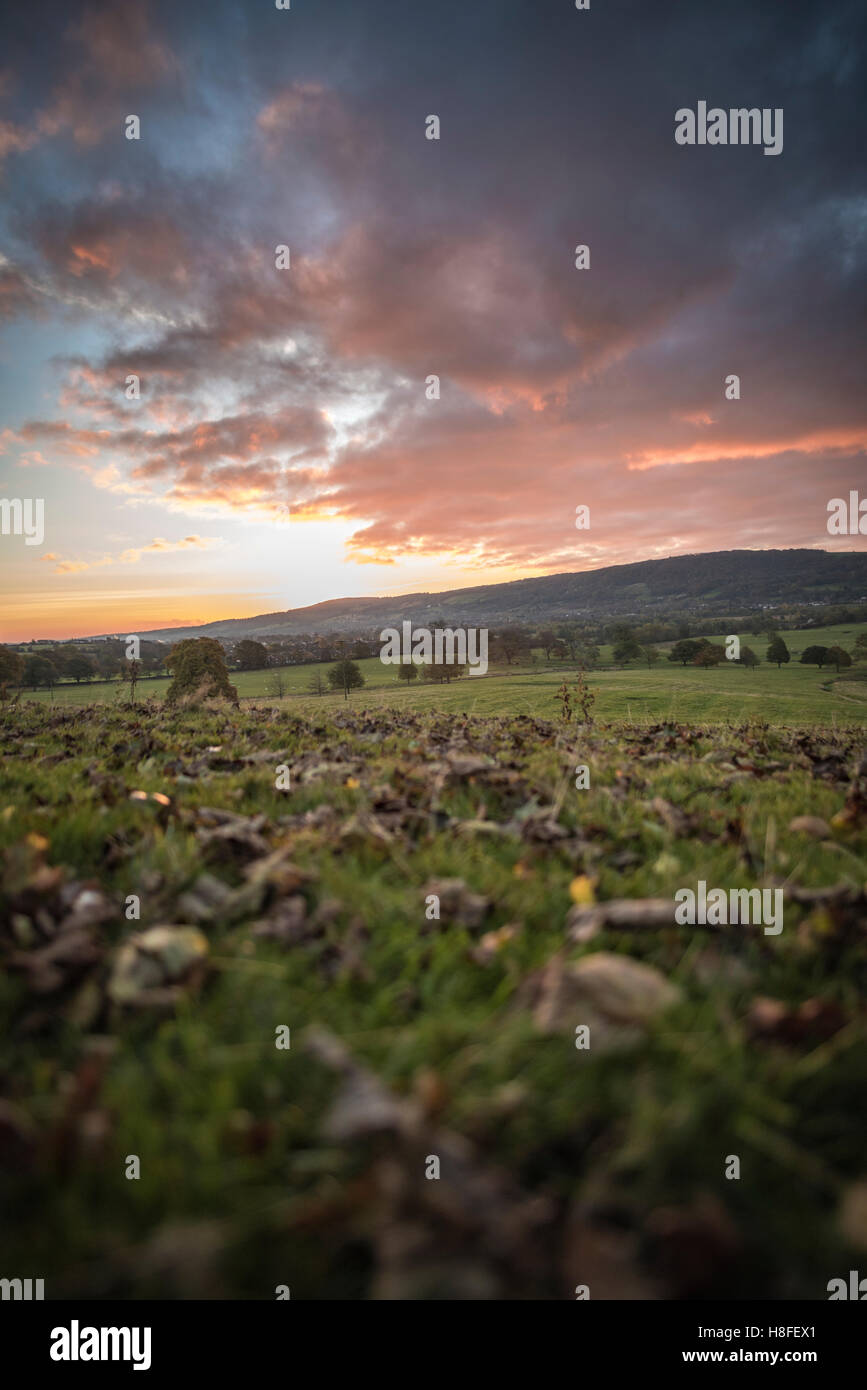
{"x": 243, "y": 1184}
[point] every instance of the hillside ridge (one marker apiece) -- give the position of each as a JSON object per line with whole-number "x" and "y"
{"x": 713, "y": 582}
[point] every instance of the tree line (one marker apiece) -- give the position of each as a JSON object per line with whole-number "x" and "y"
{"x": 512, "y": 645}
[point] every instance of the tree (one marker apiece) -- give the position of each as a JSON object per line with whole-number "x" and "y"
{"x": 80, "y": 668}
{"x": 316, "y": 685}
{"x": 276, "y": 685}
{"x": 814, "y": 656}
{"x": 251, "y": 656}
{"x": 547, "y": 640}
{"x": 748, "y": 657}
{"x": 651, "y": 655}
{"x": 408, "y": 672}
{"x": 11, "y": 667}
{"x": 837, "y": 657}
{"x": 108, "y": 659}
{"x": 510, "y": 644}
{"x": 586, "y": 654}
{"x": 439, "y": 671}
{"x": 570, "y": 635}
{"x": 860, "y": 652}
{"x": 345, "y": 676}
{"x": 153, "y": 655}
{"x": 198, "y": 668}
{"x": 778, "y": 652}
{"x": 38, "y": 670}
{"x": 709, "y": 655}
{"x": 684, "y": 651}
{"x": 626, "y": 649}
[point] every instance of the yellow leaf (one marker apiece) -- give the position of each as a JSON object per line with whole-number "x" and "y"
{"x": 352, "y": 783}
{"x": 37, "y": 842}
{"x": 822, "y": 922}
{"x": 581, "y": 890}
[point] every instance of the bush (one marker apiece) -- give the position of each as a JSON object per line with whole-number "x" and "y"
{"x": 198, "y": 668}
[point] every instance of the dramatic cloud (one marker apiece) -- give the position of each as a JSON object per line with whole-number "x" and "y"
{"x": 104, "y": 55}
{"x": 264, "y": 391}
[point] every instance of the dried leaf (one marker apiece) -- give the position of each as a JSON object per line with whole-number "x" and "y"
{"x": 151, "y": 960}
{"x": 493, "y": 942}
{"x": 619, "y": 914}
{"x": 613, "y": 994}
{"x": 458, "y": 905}
{"x": 814, "y": 826}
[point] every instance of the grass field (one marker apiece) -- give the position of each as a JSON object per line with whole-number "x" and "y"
{"x": 792, "y": 695}
{"x": 451, "y": 1038}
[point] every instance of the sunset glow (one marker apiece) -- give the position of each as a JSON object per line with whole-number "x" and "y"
{"x": 282, "y": 417}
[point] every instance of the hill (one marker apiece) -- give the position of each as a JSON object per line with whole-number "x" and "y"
{"x": 718, "y": 583}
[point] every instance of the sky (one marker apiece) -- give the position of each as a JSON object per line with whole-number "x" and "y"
{"x": 286, "y": 446}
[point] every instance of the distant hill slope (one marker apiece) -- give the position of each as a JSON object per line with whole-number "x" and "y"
{"x": 721, "y": 582}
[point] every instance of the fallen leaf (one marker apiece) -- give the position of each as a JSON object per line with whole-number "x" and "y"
{"x": 613, "y": 994}
{"x": 619, "y": 914}
{"x": 814, "y": 826}
{"x": 815, "y": 1020}
{"x": 149, "y": 963}
{"x": 581, "y": 890}
{"x": 458, "y": 905}
{"x": 493, "y": 942}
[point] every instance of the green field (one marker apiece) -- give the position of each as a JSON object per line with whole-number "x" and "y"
{"x": 306, "y": 909}
{"x": 794, "y": 694}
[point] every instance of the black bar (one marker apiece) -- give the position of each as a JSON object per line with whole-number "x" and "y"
{"x": 258, "y": 1338}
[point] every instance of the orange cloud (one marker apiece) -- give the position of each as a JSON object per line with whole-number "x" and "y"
{"x": 822, "y": 441}
{"x": 132, "y": 556}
